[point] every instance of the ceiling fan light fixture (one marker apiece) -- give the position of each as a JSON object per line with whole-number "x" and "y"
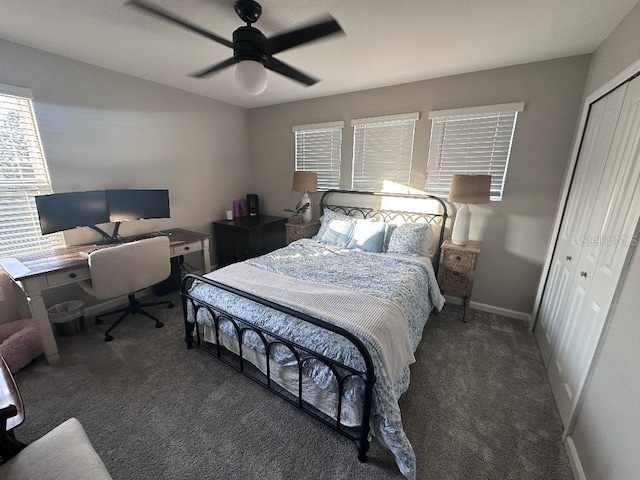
{"x": 251, "y": 77}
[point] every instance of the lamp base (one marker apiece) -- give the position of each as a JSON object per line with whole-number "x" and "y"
{"x": 460, "y": 234}
{"x": 307, "y": 215}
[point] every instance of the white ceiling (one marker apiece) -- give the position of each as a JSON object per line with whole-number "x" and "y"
{"x": 387, "y": 42}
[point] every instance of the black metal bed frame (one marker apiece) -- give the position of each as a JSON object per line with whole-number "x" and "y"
{"x": 302, "y": 354}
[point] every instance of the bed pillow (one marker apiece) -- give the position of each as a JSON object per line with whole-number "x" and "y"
{"x": 327, "y": 216}
{"x": 338, "y": 232}
{"x": 407, "y": 238}
{"x": 368, "y": 236}
{"x": 429, "y": 242}
{"x": 388, "y": 231}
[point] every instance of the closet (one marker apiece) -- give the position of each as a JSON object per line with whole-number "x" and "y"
{"x": 597, "y": 234}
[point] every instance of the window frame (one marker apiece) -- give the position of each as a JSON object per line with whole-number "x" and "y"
{"x": 358, "y": 162}
{"x": 498, "y": 116}
{"x": 18, "y": 187}
{"x": 328, "y": 169}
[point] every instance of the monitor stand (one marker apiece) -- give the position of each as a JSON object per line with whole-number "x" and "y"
{"x": 106, "y": 238}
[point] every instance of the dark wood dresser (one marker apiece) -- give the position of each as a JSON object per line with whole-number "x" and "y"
{"x": 247, "y": 237}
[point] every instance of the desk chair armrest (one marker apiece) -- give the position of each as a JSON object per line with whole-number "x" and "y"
{"x": 5, "y": 414}
{"x": 9, "y": 446}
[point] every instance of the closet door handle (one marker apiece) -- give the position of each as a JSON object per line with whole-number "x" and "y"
{"x": 568, "y": 258}
{"x": 583, "y": 274}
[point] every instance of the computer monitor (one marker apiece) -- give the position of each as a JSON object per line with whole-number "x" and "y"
{"x": 64, "y": 211}
{"x": 137, "y": 204}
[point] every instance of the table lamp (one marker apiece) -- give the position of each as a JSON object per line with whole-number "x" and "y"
{"x": 467, "y": 189}
{"x": 305, "y": 182}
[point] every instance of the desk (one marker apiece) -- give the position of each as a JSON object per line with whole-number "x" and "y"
{"x": 38, "y": 271}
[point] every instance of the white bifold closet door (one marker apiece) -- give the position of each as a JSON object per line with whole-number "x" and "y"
{"x": 597, "y": 233}
{"x": 596, "y": 142}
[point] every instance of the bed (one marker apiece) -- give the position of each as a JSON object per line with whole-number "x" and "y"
{"x": 331, "y": 324}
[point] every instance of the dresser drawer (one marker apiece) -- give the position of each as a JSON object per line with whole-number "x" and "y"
{"x": 183, "y": 249}
{"x": 457, "y": 258}
{"x": 456, "y": 280}
{"x": 68, "y": 276}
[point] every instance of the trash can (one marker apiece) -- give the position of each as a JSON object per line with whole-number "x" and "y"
{"x": 67, "y": 317}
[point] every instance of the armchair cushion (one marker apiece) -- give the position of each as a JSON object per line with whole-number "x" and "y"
{"x": 64, "y": 452}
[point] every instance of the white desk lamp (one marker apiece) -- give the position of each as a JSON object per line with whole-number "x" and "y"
{"x": 305, "y": 182}
{"x": 467, "y": 189}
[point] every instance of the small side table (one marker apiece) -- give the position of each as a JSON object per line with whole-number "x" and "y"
{"x": 458, "y": 269}
{"x": 296, "y": 231}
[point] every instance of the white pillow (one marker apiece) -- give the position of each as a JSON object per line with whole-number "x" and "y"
{"x": 429, "y": 242}
{"x": 368, "y": 236}
{"x": 325, "y": 219}
{"x": 338, "y": 232}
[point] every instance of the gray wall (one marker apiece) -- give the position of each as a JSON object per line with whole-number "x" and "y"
{"x": 606, "y": 433}
{"x": 514, "y": 232}
{"x": 616, "y": 53}
{"x": 101, "y": 129}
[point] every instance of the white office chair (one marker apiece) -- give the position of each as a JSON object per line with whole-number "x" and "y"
{"x": 123, "y": 270}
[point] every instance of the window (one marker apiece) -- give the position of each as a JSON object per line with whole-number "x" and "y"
{"x": 23, "y": 174}
{"x": 382, "y": 151}
{"x": 471, "y": 140}
{"x": 318, "y": 149}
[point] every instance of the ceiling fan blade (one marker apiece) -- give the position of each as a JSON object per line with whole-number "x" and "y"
{"x": 288, "y": 71}
{"x": 167, "y": 15}
{"x": 303, "y": 35}
{"x": 213, "y": 69}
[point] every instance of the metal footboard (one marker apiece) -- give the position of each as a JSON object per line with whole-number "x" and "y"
{"x": 302, "y": 354}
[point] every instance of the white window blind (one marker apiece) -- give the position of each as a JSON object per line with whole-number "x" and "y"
{"x": 23, "y": 174}
{"x": 473, "y": 140}
{"x": 382, "y": 151}
{"x": 318, "y": 149}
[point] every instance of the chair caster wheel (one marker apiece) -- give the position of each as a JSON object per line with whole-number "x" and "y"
{"x": 171, "y": 305}
{"x": 108, "y": 338}
{"x": 159, "y": 325}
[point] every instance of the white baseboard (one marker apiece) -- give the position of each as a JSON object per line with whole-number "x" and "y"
{"x": 505, "y": 312}
{"x": 574, "y": 459}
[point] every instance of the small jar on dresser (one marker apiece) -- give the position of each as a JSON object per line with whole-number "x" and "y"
{"x": 458, "y": 269}
{"x": 296, "y": 231}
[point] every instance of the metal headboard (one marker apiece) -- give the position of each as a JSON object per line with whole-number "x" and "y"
{"x": 388, "y": 215}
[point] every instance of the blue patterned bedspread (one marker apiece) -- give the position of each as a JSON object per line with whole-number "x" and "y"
{"x": 407, "y": 282}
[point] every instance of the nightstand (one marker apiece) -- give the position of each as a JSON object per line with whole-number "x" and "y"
{"x": 296, "y": 231}
{"x": 458, "y": 269}
{"x": 246, "y": 237}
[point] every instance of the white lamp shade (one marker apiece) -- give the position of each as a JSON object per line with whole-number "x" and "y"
{"x": 251, "y": 77}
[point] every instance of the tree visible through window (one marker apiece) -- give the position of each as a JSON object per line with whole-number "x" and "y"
{"x": 23, "y": 175}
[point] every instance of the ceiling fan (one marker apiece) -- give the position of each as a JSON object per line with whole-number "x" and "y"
{"x": 252, "y": 51}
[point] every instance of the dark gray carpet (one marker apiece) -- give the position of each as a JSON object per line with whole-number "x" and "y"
{"x": 479, "y": 407}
